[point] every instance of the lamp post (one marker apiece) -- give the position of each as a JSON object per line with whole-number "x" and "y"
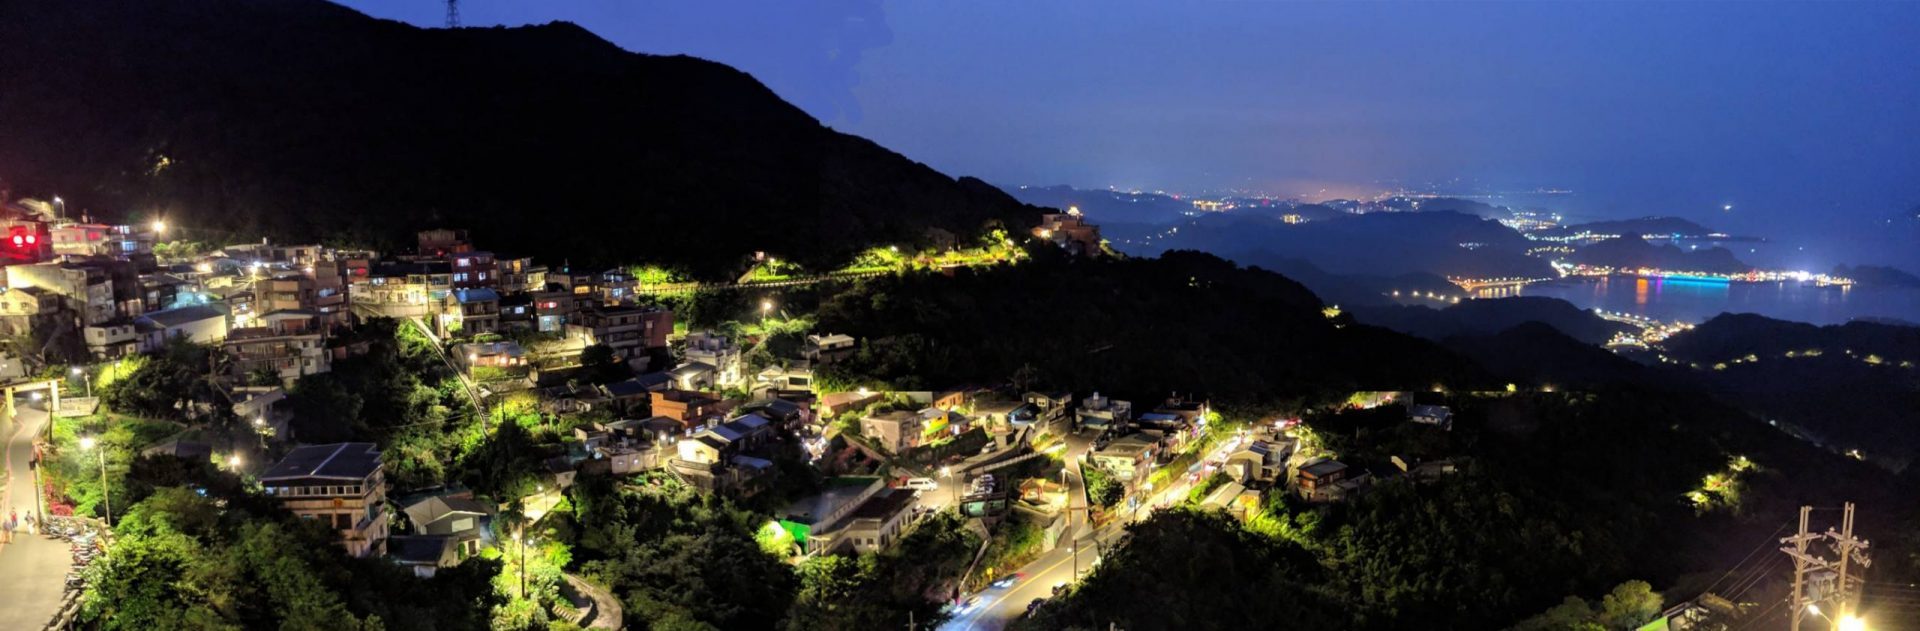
{"x": 766, "y": 307}
{"x": 106, "y": 498}
{"x": 522, "y": 540}
{"x": 87, "y": 376}
{"x": 1070, "y": 533}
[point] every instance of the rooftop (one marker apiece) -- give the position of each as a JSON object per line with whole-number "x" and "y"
{"x": 885, "y": 504}
{"x": 1323, "y": 468}
{"x": 837, "y": 494}
{"x": 338, "y": 461}
{"x": 184, "y": 315}
{"x": 437, "y": 507}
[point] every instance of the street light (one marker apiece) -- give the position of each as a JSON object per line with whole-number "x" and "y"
{"x": 159, "y": 226}
{"x": 83, "y": 374}
{"x": 106, "y": 499}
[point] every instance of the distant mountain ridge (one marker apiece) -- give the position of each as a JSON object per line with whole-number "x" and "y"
{"x": 1379, "y": 244}
{"x": 1637, "y": 227}
{"x": 1630, "y": 252}
{"x": 1879, "y": 275}
{"x": 1493, "y": 316}
{"x": 299, "y": 119}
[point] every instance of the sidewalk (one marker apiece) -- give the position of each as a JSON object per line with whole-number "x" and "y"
{"x": 33, "y": 569}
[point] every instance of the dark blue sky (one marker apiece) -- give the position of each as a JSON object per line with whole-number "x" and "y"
{"x": 1805, "y": 117}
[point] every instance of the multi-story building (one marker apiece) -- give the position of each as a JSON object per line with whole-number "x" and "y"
{"x": 617, "y": 286}
{"x": 629, "y": 331}
{"x": 851, "y": 513}
{"x": 443, "y": 242}
{"x": 517, "y": 312}
{"x": 896, "y": 431}
{"x": 714, "y": 350}
{"x": 554, "y": 309}
{"x": 1099, "y": 412}
{"x": 296, "y": 255}
{"x": 473, "y": 269}
{"x": 1129, "y": 457}
{"x": 342, "y": 485}
{"x": 291, "y": 348}
{"x": 691, "y": 408}
{"x": 519, "y": 275}
{"x": 1070, "y": 231}
{"x": 470, "y": 312}
{"x": 87, "y": 290}
{"x": 26, "y": 309}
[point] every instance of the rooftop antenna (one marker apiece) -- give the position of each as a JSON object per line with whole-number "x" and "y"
{"x": 453, "y": 13}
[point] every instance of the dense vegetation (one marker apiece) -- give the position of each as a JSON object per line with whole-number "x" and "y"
{"x": 261, "y": 119}
{"x": 1851, "y": 386}
{"x": 1186, "y": 322}
{"x": 186, "y": 561}
{"x": 1558, "y": 495}
{"x": 1487, "y": 317}
{"x": 679, "y": 559}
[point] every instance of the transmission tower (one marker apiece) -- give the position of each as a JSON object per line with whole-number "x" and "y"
{"x": 453, "y": 13}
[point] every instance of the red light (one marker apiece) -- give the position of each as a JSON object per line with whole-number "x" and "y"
{"x": 19, "y": 240}
{"x": 32, "y": 239}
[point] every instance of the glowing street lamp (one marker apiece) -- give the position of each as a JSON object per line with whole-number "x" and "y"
{"x": 159, "y": 226}
{"x": 83, "y": 374}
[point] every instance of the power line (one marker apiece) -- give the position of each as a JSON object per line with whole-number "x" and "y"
{"x": 1764, "y": 544}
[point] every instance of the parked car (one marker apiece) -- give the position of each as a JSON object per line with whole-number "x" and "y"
{"x": 922, "y": 484}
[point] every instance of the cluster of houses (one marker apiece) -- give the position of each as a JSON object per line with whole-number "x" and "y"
{"x": 282, "y": 311}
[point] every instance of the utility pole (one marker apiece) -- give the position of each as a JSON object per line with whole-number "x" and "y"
{"x": 1851, "y": 550}
{"x": 1796, "y": 599}
{"x": 453, "y": 13}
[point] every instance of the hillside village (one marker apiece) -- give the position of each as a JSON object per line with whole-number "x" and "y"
{"x": 593, "y": 374}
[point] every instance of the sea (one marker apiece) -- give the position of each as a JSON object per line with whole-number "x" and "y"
{"x": 1696, "y": 301}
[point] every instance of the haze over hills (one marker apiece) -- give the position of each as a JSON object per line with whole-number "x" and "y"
{"x": 1107, "y": 207}
{"x": 1386, "y": 243}
{"x": 300, "y": 119}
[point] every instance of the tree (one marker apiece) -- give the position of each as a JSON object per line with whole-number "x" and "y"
{"x": 1572, "y": 614}
{"x": 1629, "y": 605}
{"x": 1101, "y": 487}
{"x": 602, "y": 365}
{"x": 325, "y": 410}
{"x": 1187, "y": 568}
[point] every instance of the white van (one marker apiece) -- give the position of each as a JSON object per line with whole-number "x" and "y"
{"x": 922, "y": 484}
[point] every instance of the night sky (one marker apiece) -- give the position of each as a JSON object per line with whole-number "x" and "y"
{"x": 1804, "y": 117}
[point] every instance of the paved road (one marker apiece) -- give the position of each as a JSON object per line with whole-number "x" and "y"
{"x": 33, "y": 569}
{"x": 999, "y": 607}
{"x": 607, "y": 613}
